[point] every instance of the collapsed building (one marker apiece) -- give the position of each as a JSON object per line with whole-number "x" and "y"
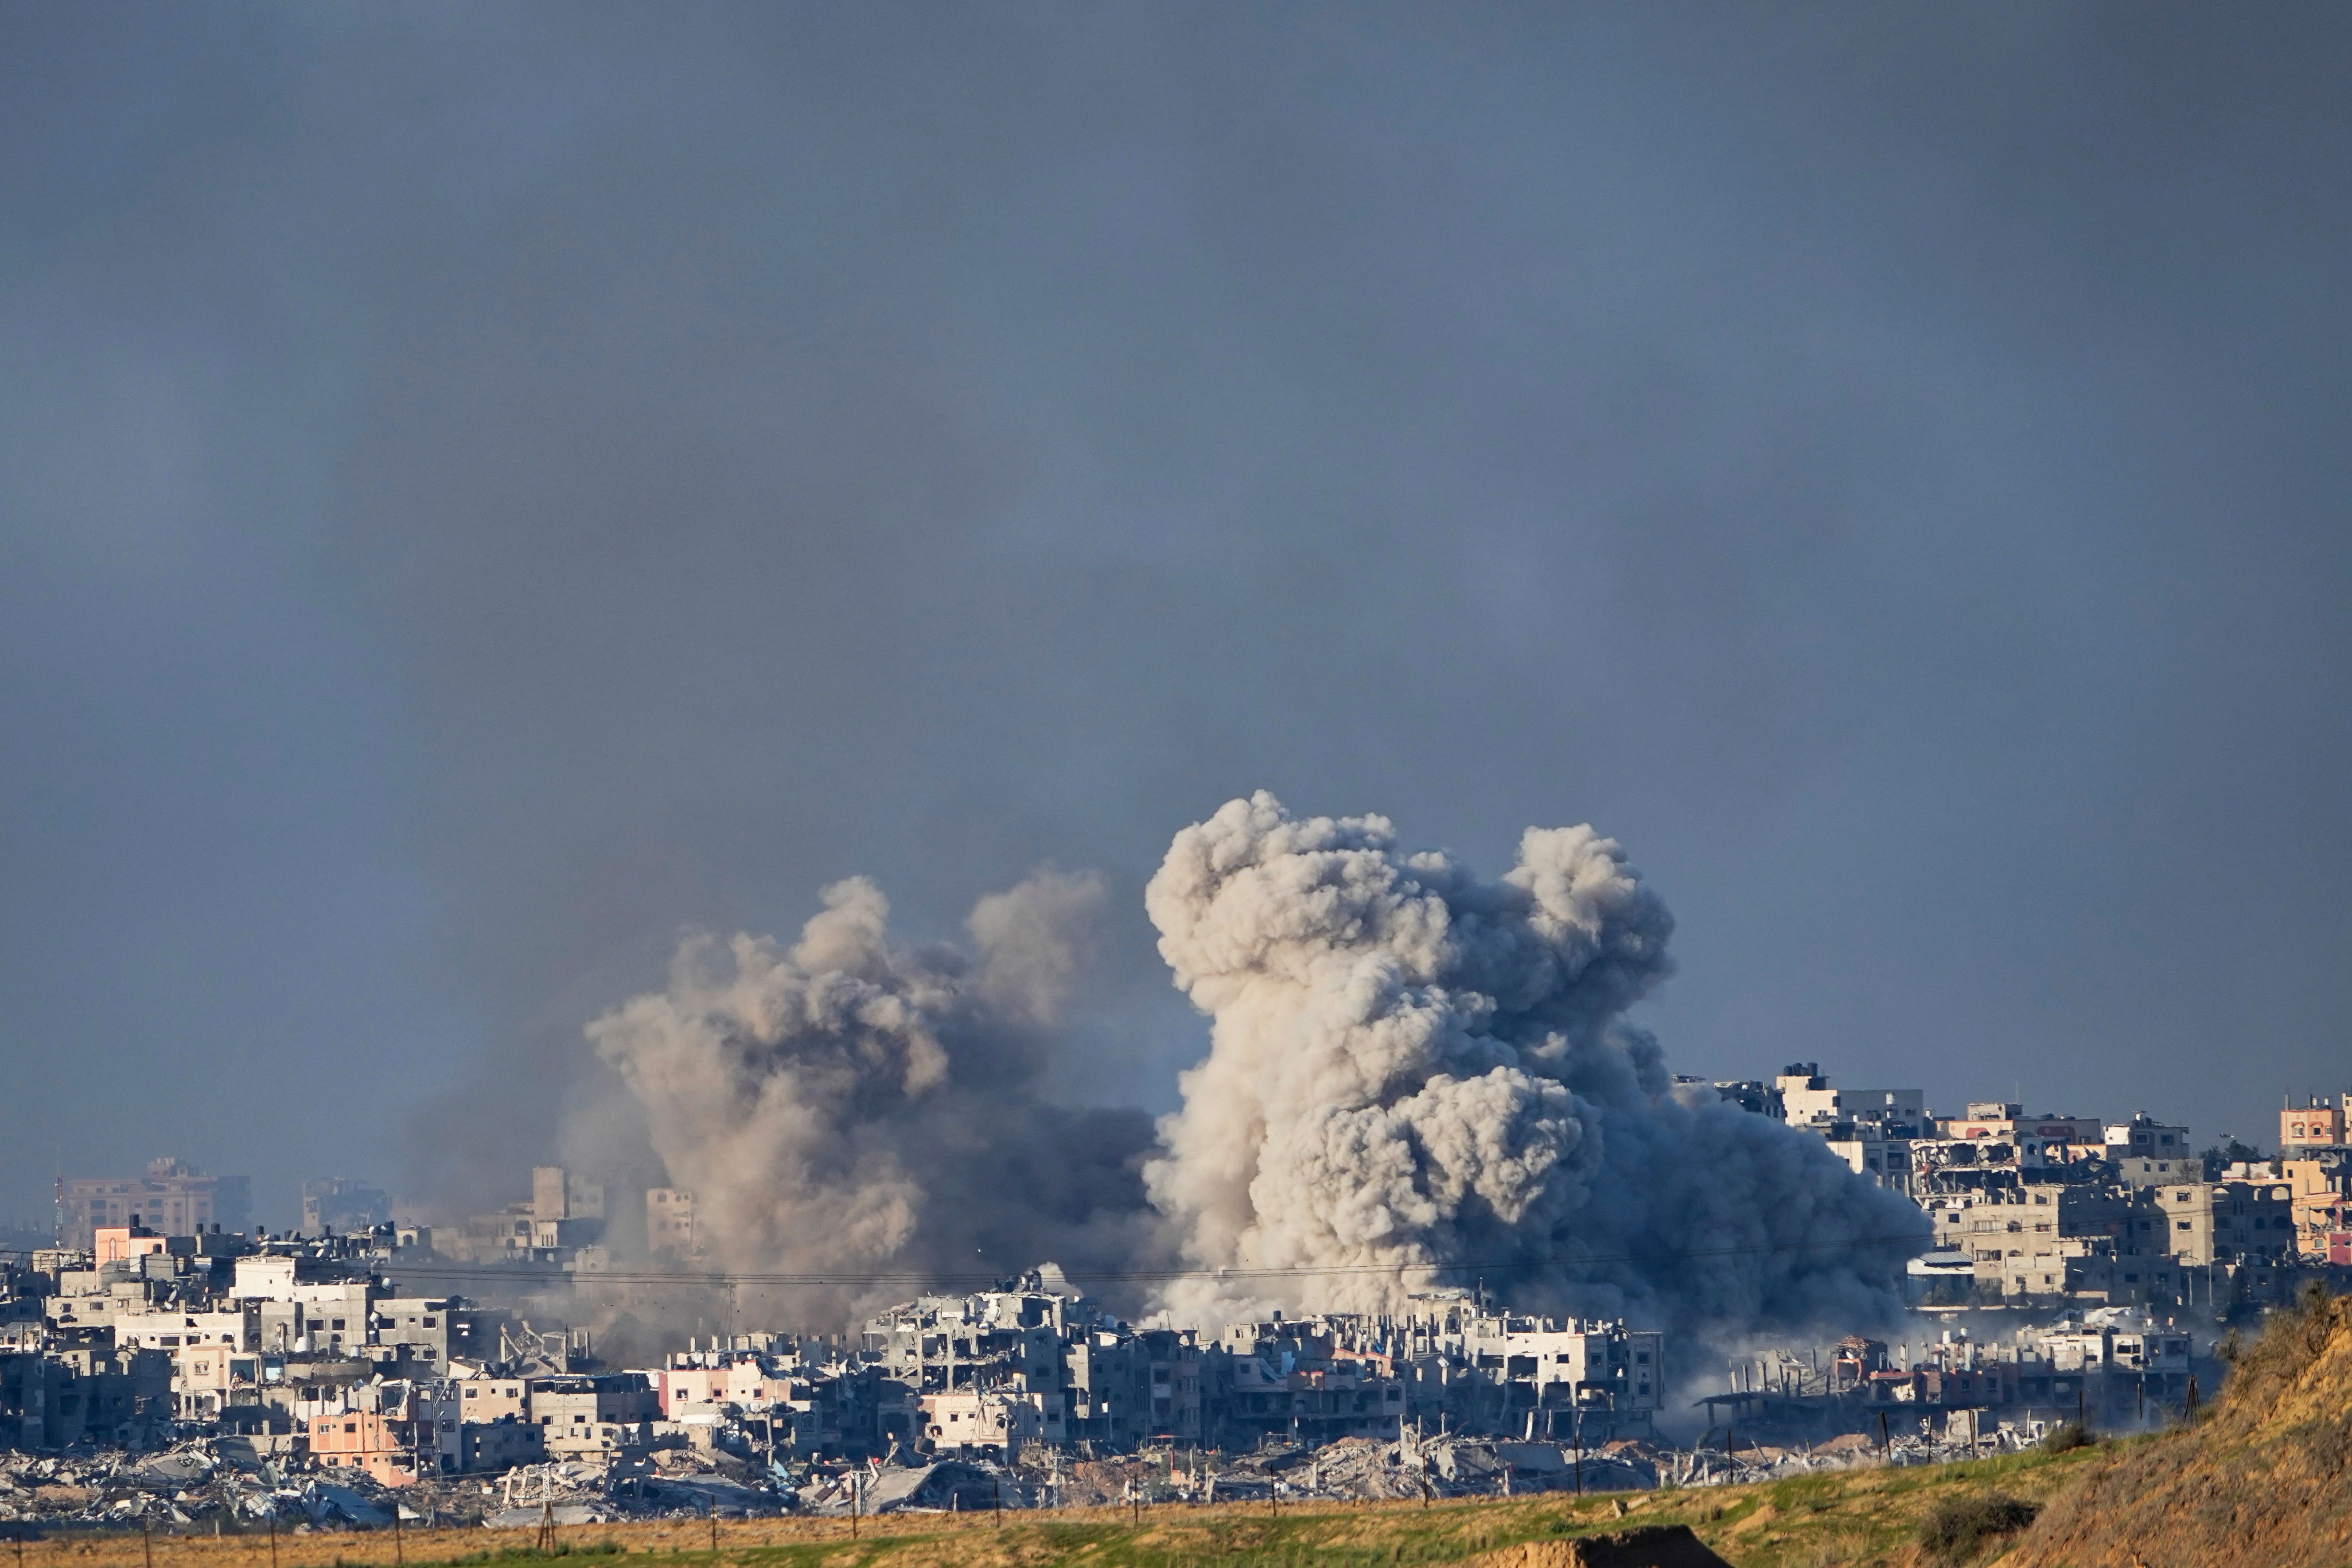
{"x": 996, "y": 1370}
{"x": 2110, "y": 1368}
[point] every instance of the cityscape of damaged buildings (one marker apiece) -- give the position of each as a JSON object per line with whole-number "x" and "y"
{"x": 2078, "y": 1269}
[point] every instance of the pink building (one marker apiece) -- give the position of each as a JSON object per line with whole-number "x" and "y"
{"x": 122, "y": 1243}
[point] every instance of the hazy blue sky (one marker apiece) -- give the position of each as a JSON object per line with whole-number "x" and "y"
{"x": 483, "y": 488}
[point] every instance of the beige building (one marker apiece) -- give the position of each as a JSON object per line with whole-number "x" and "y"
{"x": 2319, "y": 1185}
{"x": 669, "y": 1221}
{"x": 483, "y": 1399}
{"x": 582, "y": 1416}
{"x": 203, "y": 1376}
{"x": 970, "y": 1422}
{"x": 2228, "y": 1222}
{"x": 173, "y": 1198}
{"x": 2049, "y": 1239}
{"x": 2149, "y": 1153}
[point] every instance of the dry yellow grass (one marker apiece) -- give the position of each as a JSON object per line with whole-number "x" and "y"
{"x": 1857, "y": 1517}
{"x": 2265, "y": 1481}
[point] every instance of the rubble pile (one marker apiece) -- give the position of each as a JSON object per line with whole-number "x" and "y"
{"x": 193, "y": 1486}
{"x": 187, "y": 1485}
{"x": 1351, "y": 1469}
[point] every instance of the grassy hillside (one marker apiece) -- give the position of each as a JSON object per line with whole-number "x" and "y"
{"x": 2265, "y": 1479}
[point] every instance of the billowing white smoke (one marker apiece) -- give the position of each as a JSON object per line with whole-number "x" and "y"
{"x": 846, "y": 1106}
{"x": 1411, "y": 1067}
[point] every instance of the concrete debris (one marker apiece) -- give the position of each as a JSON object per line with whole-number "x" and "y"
{"x": 192, "y": 1487}
{"x": 567, "y": 1513}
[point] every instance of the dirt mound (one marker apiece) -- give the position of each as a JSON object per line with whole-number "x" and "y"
{"x": 2266, "y": 1477}
{"x": 1650, "y": 1546}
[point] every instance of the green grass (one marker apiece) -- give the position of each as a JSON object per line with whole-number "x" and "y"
{"x": 1856, "y": 1517}
{"x": 1827, "y": 1520}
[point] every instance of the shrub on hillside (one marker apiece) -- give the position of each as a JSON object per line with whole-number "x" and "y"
{"x": 2062, "y": 1438}
{"x": 1958, "y": 1526}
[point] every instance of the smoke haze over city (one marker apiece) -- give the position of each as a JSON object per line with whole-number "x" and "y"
{"x": 496, "y": 503}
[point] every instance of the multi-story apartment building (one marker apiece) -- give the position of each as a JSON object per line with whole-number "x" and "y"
{"x": 2319, "y": 1184}
{"x": 420, "y": 1327}
{"x": 173, "y": 1198}
{"x": 974, "y": 1423}
{"x": 484, "y": 1399}
{"x": 1871, "y": 1130}
{"x": 601, "y": 1415}
{"x": 2007, "y": 1119}
{"x": 340, "y": 1204}
{"x": 2146, "y": 1153}
{"x": 669, "y": 1221}
{"x": 1805, "y": 1097}
{"x": 2053, "y": 1239}
{"x": 2318, "y": 1123}
{"x": 2228, "y": 1222}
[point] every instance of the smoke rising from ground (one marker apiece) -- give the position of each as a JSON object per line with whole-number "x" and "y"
{"x": 1410, "y": 1067}
{"x": 1410, "y": 1070}
{"x": 845, "y": 1104}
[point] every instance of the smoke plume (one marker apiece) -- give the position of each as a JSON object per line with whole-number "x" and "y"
{"x": 1414, "y": 1078}
{"x": 1410, "y": 1068}
{"x": 845, "y": 1105}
